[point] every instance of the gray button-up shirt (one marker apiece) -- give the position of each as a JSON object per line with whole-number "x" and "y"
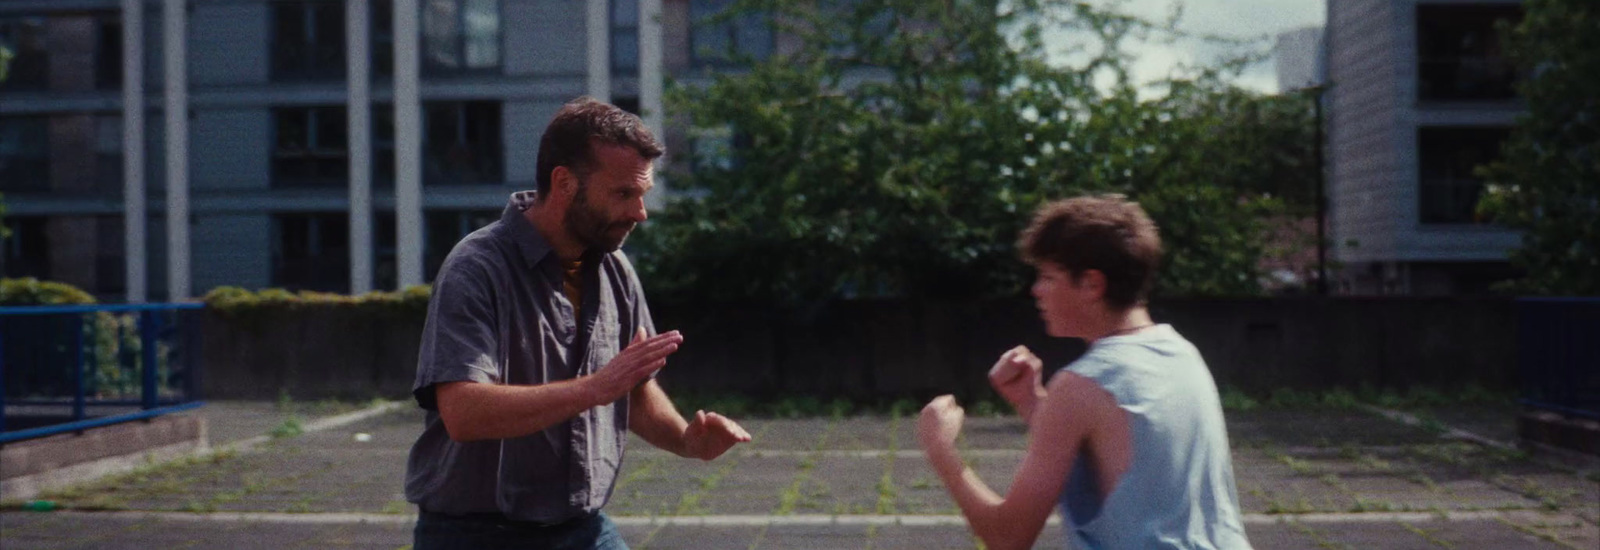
{"x": 498, "y": 316}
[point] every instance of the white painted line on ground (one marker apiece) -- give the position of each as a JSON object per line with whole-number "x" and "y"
{"x": 998, "y": 453}
{"x": 338, "y": 518}
{"x": 1451, "y": 432}
{"x": 1376, "y": 517}
{"x": 321, "y": 424}
{"x": 814, "y": 520}
{"x": 870, "y": 453}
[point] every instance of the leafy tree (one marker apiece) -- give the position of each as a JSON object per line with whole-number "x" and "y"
{"x": 900, "y": 145}
{"x": 1547, "y": 182}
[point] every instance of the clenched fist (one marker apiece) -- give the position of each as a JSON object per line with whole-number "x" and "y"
{"x": 939, "y": 424}
{"x": 1016, "y": 377}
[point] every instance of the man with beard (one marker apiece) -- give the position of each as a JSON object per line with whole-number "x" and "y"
{"x": 539, "y": 354}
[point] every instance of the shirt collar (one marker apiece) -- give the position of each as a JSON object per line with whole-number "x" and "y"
{"x": 530, "y": 242}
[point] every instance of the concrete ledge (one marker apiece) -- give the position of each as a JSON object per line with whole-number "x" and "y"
{"x": 28, "y": 467}
{"x": 1555, "y": 430}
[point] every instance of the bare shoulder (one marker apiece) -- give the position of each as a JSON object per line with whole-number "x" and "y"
{"x": 1075, "y": 399}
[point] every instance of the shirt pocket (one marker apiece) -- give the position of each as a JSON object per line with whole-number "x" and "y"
{"x": 607, "y": 341}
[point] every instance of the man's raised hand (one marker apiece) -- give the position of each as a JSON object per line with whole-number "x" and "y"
{"x": 634, "y": 365}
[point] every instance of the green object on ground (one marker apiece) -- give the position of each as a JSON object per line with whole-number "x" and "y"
{"x": 39, "y": 506}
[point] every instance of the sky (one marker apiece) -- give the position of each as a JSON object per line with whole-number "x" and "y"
{"x": 1236, "y": 18}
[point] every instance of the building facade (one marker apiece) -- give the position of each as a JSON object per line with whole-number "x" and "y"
{"x": 292, "y": 173}
{"x": 1420, "y": 93}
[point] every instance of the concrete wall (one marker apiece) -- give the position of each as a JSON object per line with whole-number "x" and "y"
{"x": 228, "y": 43}
{"x": 232, "y": 246}
{"x": 235, "y": 152}
{"x": 523, "y": 124}
{"x": 311, "y": 353}
{"x": 894, "y": 348}
{"x": 544, "y": 37}
{"x": 1366, "y": 201}
{"x": 30, "y": 467}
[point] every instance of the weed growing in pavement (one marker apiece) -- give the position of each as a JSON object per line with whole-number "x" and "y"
{"x": 290, "y": 427}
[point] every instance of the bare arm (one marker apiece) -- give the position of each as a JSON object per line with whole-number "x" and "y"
{"x": 706, "y": 436}
{"x": 1060, "y": 427}
{"x": 474, "y": 411}
{"x": 652, "y": 416}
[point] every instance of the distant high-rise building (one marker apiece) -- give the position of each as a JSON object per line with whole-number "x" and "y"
{"x": 1299, "y": 57}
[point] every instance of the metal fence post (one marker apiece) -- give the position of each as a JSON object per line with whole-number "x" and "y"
{"x": 78, "y": 368}
{"x": 2, "y": 377}
{"x": 148, "y": 325}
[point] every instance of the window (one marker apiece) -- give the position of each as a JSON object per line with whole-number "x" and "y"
{"x": 110, "y": 267}
{"x": 311, "y": 252}
{"x": 1450, "y": 190}
{"x": 308, "y": 40}
{"x": 461, "y": 143}
{"x": 382, "y": 34}
{"x": 310, "y": 147}
{"x": 1460, "y": 55}
{"x": 724, "y": 41}
{"x": 25, "y": 38}
{"x": 28, "y": 40}
{"x": 108, "y": 54}
{"x": 24, "y": 154}
{"x": 624, "y": 35}
{"x": 711, "y": 148}
{"x": 383, "y": 147}
{"x": 28, "y": 249}
{"x": 879, "y": 24}
{"x": 385, "y": 259}
{"x": 445, "y": 228}
{"x": 460, "y": 36}
{"x": 108, "y": 154}
{"x": 627, "y": 103}
{"x": 98, "y": 269}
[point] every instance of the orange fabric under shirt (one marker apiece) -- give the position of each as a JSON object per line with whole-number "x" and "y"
{"x": 572, "y": 283}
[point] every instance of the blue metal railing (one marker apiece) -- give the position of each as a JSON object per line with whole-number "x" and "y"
{"x": 56, "y": 362}
{"x": 1558, "y": 354}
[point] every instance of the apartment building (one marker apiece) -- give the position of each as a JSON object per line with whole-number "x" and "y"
{"x": 289, "y": 163}
{"x": 1421, "y": 93}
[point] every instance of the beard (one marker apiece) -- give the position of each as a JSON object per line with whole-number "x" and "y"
{"x": 591, "y": 227}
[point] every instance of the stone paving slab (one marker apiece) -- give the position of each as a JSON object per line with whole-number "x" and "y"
{"x": 1349, "y": 463}
{"x": 29, "y": 531}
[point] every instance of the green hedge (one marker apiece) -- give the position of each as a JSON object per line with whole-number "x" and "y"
{"x": 34, "y": 292}
{"x": 233, "y": 301}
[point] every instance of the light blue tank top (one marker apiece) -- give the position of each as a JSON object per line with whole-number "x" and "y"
{"x": 1179, "y": 490}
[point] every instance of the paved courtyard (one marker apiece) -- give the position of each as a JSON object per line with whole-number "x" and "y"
{"x": 1315, "y": 478}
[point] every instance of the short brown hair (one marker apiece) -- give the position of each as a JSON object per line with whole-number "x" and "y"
{"x": 1106, "y": 233}
{"x": 570, "y": 138}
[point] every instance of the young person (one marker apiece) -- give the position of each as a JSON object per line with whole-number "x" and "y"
{"x": 1128, "y": 440}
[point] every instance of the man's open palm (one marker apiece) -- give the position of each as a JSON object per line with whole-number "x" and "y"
{"x": 711, "y": 434}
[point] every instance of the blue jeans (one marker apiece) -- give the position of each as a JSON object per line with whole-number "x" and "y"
{"x": 490, "y": 532}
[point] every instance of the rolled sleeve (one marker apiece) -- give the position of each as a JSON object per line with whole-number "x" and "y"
{"x": 459, "y": 340}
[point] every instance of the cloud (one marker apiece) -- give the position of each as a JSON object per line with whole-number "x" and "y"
{"x": 1261, "y": 20}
